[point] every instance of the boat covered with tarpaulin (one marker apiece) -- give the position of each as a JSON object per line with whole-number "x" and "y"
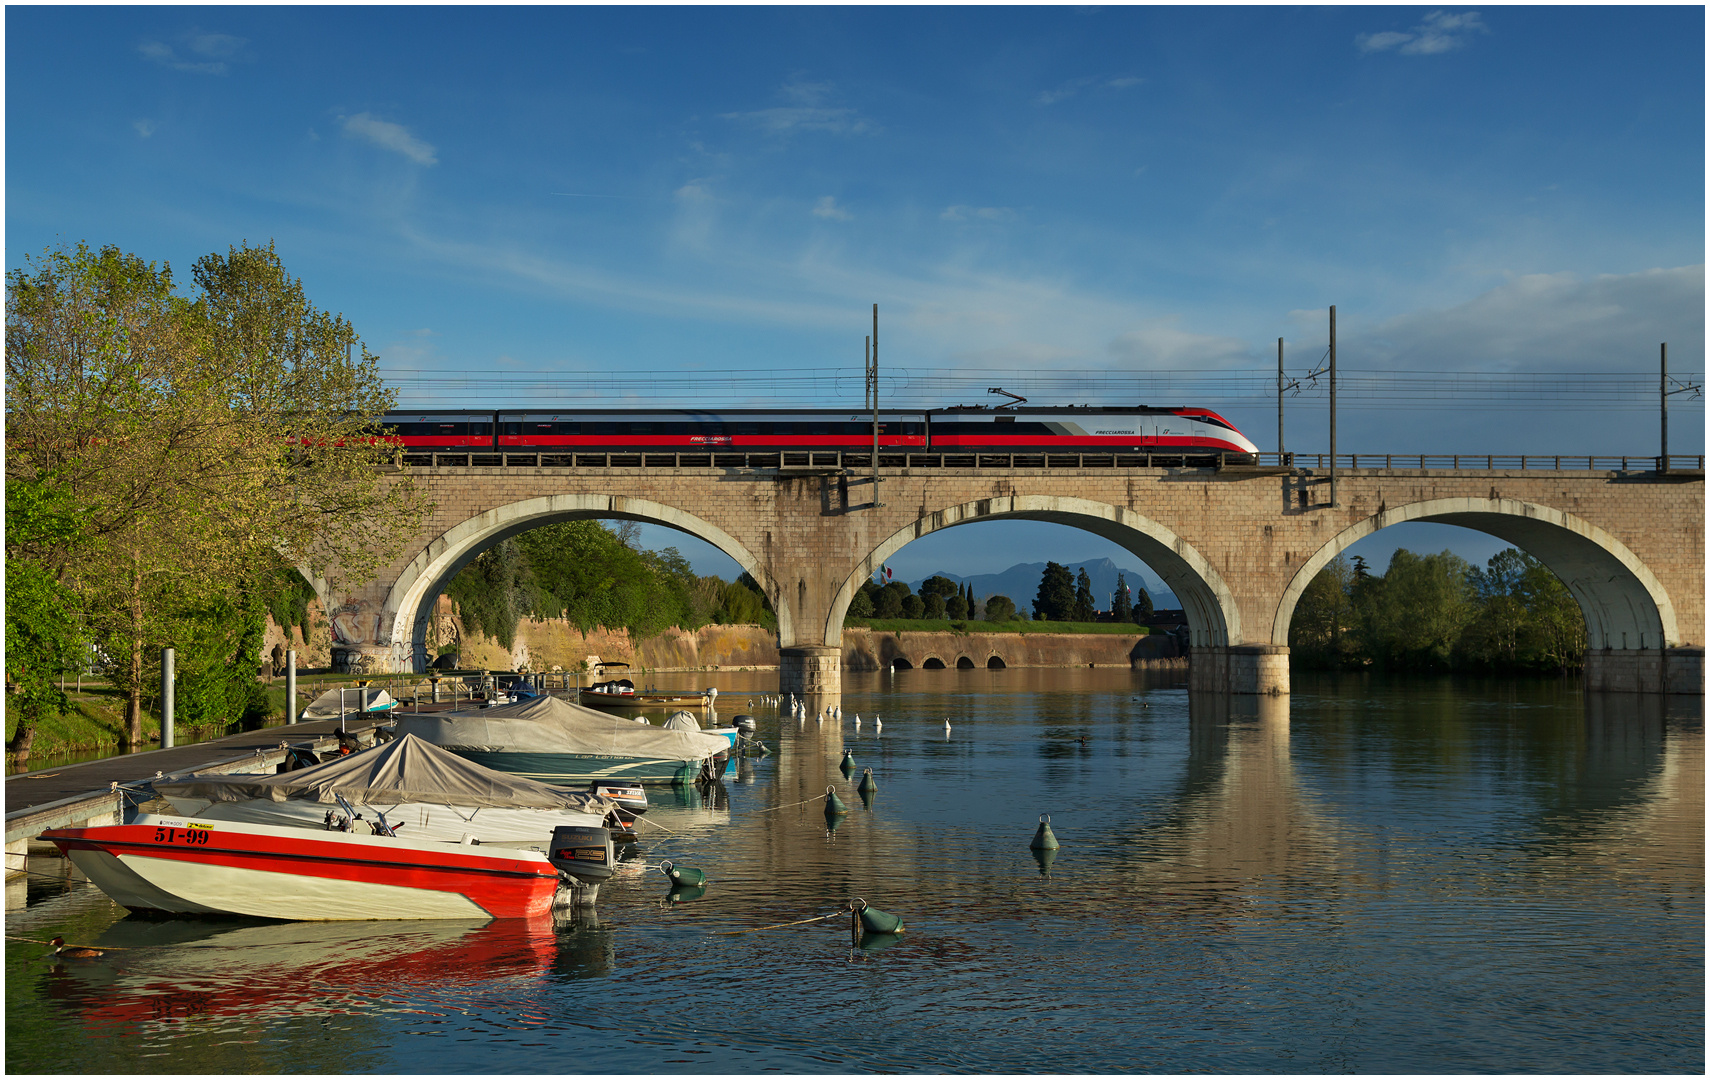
{"x": 557, "y": 742}
{"x": 409, "y": 785}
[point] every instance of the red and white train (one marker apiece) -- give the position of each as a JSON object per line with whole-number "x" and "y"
{"x": 1014, "y": 430}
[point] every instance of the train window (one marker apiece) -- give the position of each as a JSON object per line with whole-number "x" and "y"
{"x": 540, "y": 429}
{"x": 605, "y": 427}
{"x": 452, "y": 429}
{"x": 1003, "y": 419}
{"x": 567, "y": 428}
{"x": 513, "y": 429}
{"x": 480, "y": 429}
{"x": 641, "y": 429}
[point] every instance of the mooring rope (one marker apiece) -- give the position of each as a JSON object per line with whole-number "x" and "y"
{"x": 37, "y": 941}
{"x": 786, "y": 806}
{"x": 775, "y": 926}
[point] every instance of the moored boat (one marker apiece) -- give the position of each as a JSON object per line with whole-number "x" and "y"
{"x": 185, "y": 866}
{"x": 556, "y": 742}
{"x": 407, "y": 785}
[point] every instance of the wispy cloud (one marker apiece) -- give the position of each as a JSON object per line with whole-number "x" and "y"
{"x": 977, "y": 213}
{"x": 827, "y": 208}
{"x": 806, "y": 111}
{"x": 204, "y": 53}
{"x": 1162, "y": 343}
{"x": 144, "y": 127}
{"x": 1439, "y": 32}
{"x": 389, "y": 136}
{"x": 1549, "y": 322}
{"x": 1086, "y": 82}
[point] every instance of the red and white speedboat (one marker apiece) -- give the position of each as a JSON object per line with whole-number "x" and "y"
{"x": 191, "y": 867}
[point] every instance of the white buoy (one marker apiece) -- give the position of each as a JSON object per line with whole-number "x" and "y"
{"x": 946, "y": 727}
{"x": 857, "y": 721}
{"x": 878, "y": 725}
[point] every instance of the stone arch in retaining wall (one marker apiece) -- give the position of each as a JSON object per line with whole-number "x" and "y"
{"x": 964, "y": 663}
{"x": 1212, "y": 613}
{"x": 932, "y": 663}
{"x": 411, "y": 598}
{"x": 995, "y": 662}
{"x": 1625, "y": 605}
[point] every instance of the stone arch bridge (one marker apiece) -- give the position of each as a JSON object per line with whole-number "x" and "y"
{"x": 1237, "y": 545}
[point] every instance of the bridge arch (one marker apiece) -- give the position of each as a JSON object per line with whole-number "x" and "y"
{"x": 1212, "y": 612}
{"x": 428, "y": 574}
{"x": 1625, "y": 606}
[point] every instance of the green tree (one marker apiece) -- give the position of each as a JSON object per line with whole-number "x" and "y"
{"x": 1000, "y": 608}
{"x": 1121, "y": 605}
{"x": 1319, "y": 630}
{"x": 889, "y": 601}
{"x": 1056, "y": 598}
{"x": 44, "y": 635}
{"x": 957, "y": 606}
{"x": 196, "y": 436}
{"x": 1413, "y": 616}
{"x": 913, "y": 607}
{"x": 1086, "y": 609}
{"x": 1143, "y": 608}
{"x": 933, "y": 606}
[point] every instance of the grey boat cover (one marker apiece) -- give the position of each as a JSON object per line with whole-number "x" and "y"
{"x": 549, "y": 725}
{"x": 356, "y": 700}
{"x": 681, "y": 721}
{"x": 407, "y": 769}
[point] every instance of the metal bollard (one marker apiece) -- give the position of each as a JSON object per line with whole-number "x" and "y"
{"x": 290, "y": 686}
{"x": 168, "y": 687}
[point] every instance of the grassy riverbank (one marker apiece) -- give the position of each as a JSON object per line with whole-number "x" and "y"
{"x": 96, "y": 720}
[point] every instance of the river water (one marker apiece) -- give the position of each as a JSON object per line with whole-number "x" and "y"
{"x": 1369, "y": 876}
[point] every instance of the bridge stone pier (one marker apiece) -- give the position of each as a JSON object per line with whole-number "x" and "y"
{"x": 1236, "y": 545}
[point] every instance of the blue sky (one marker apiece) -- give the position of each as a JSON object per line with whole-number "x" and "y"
{"x": 666, "y": 194}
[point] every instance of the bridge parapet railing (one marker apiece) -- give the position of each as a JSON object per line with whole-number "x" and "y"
{"x": 823, "y": 462}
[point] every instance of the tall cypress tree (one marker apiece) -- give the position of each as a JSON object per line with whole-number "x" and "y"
{"x": 1085, "y": 610}
{"x": 1056, "y": 599}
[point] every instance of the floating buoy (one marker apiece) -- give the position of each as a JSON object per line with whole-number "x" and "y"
{"x": 683, "y": 875}
{"x": 874, "y": 921}
{"x": 867, "y": 785}
{"x": 833, "y": 805}
{"x": 878, "y": 726}
{"x": 848, "y": 765}
{"x": 1043, "y": 840}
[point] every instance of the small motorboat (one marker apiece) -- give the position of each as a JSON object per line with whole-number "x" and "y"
{"x": 556, "y": 742}
{"x": 187, "y": 866}
{"x": 406, "y": 785}
{"x": 620, "y": 693}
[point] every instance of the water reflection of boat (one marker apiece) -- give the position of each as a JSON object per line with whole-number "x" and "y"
{"x": 407, "y": 784}
{"x": 196, "y": 969}
{"x": 190, "y": 867}
{"x": 554, "y": 741}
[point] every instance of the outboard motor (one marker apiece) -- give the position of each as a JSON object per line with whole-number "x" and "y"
{"x": 743, "y": 723}
{"x": 631, "y": 797}
{"x": 584, "y": 858}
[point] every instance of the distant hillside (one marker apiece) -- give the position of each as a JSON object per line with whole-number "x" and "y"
{"x": 1021, "y": 583}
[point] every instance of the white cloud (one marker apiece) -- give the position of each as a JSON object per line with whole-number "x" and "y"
{"x": 1162, "y": 343}
{"x": 210, "y": 54}
{"x": 1438, "y": 32}
{"x": 1096, "y": 82}
{"x": 389, "y": 136}
{"x": 1548, "y": 322}
{"x": 977, "y": 213}
{"x": 827, "y": 208}
{"x": 144, "y": 127}
{"x": 806, "y": 114}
